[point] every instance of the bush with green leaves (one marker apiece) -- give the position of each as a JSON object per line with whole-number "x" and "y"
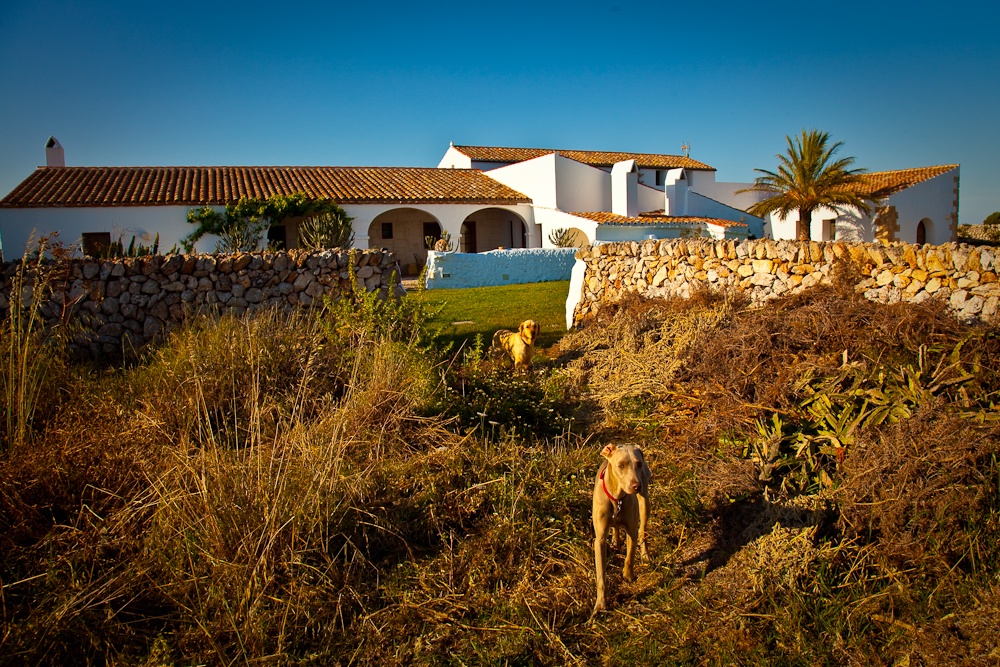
{"x": 328, "y": 229}
{"x": 490, "y": 399}
{"x": 243, "y": 224}
{"x": 375, "y": 315}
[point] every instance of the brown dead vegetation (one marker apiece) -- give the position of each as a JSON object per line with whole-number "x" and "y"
{"x": 826, "y": 491}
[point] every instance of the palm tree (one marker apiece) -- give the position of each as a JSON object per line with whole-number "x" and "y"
{"x": 807, "y": 178}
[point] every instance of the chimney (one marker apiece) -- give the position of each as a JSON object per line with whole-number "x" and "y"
{"x": 54, "y": 156}
{"x": 625, "y": 189}
{"x": 675, "y": 191}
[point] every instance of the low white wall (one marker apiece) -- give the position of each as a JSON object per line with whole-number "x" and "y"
{"x": 498, "y": 267}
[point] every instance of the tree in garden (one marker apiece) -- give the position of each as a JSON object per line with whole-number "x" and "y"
{"x": 992, "y": 219}
{"x": 244, "y": 224}
{"x": 809, "y": 177}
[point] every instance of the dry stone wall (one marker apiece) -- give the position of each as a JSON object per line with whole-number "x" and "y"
{"x": 122, "y": 304}
{"x": 965, "y": 276}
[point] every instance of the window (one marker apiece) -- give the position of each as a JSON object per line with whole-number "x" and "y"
{"x": 96, "y": 244}
{"x": 660, "y": 176}
{"x": 830, "y": 229}
{"x": 277, "y": 237}
{"x": 432, "y": 229}
{"x": 386, "y": 230}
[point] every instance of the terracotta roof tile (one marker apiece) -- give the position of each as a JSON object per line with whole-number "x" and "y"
{"x": 646, "y": 219}
{"x": 198, "y": 186}
{"x": 593, "y": 158}
{"x": 884, "y": 183}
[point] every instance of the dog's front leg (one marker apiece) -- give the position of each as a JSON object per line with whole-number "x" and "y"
{"x": 632, "y": 537}
{"x": 643, "y": 500}
{"x": 601, "y": 524}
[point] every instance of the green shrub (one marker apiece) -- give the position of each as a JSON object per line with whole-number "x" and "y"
{"x": 498, "y": 403}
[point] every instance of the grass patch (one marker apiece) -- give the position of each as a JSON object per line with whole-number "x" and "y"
{"x": 464, "y": 313}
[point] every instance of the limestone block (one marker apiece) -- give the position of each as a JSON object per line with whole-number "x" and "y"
{"x": 303, "y": 280}
{"x": 973, "y": 305}
{"x": 989, "y": 311}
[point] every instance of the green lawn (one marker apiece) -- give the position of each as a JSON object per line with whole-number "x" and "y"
{"x": 482, "y": 310}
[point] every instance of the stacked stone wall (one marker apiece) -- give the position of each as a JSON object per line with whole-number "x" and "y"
{"x": 964, "y": 276}
{"x": 117, "y": 305}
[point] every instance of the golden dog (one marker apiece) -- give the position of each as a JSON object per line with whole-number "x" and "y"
{"x": 519, "y": 345}
{"x": 621, "y": 500}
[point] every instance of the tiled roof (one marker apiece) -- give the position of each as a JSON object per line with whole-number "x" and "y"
{"x": 593, "y": 158}
{"x": 645, "y": 219}
{"x": 883, "y": 183}
{"x": 198, "y": 186}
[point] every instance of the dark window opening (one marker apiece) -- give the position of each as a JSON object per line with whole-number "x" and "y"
{"x": 469, "y": 236}
{"x": 277, "y": 237}
{"x": 96, "y": 244}
{"x": 432, "y": 229}
{"x": 386, "y": 230}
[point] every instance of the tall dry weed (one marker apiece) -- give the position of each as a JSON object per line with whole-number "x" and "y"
{"x": 33, "y": 357}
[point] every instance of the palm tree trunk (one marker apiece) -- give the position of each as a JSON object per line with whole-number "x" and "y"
{"x": 803, "y": 227}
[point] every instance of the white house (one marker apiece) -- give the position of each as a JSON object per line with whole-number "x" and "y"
{"x": 392, "y": 207}
{"x": 602, "y": 196}
{"x": 483, "y": 197}
{"x": 912, "y": 205}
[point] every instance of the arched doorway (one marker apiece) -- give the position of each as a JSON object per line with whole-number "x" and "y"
{"x": 924, "y": 227}
{"x": 403, "y": 231}
{"x": 491, "y": 228}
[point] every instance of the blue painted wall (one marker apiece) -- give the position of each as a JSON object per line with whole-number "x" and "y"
{"x": 499, "y": 267}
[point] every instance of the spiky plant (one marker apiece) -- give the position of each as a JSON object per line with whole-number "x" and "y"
{"x": 809, "y": 177}
{"x": 562, "y": 237}
{"x": 331, "y": 229}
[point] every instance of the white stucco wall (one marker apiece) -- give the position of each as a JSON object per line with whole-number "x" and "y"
{"x": 700, "y": 205}
{"x": 610, "y": 233}
{"x": 534, "y": 178}
{"x": 17, "y": 225}
{"x": 498, "y": 267}
{"x": 551, "y": 219}
{"x": 453, "y": 159}
{"x": 934, "y": 199}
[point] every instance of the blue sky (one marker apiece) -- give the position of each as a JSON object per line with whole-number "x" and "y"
{"x": 301, "y": 83}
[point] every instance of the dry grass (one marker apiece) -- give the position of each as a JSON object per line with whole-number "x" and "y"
{"x": 274, "y": 491}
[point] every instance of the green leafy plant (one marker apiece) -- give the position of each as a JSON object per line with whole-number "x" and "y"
{"x": 328, "y": 229}
{"x": 496, "y": 403}
{"x": 244, "y": 223}
{"x": 801, "y": 451}
{"x": 117, "y": 249}
{"x": 373, "y": 315}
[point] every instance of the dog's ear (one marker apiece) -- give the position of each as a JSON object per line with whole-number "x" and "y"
{"x": 608, "y": 451}
{"x": 520, "y": 328}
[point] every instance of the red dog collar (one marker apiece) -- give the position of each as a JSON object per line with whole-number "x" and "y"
{"x": 616, "y": 501}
